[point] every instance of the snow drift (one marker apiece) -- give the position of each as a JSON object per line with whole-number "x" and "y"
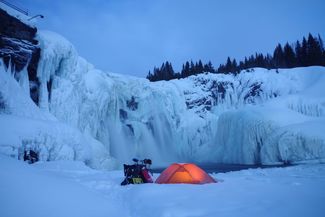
{"x": 259, "y": 116}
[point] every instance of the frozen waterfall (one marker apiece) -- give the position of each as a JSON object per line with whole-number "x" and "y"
{"x": 259, "y": 116}
{"x": 211, "y": 118}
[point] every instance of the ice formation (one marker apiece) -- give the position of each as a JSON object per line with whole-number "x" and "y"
{"x": 23, "y": 126}
{"x": 258, "y": 116}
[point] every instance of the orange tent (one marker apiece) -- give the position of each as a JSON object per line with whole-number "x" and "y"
{"x": 184, "y": 173}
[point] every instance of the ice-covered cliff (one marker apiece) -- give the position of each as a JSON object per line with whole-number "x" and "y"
{"x": 258, "y": 116}
{"x": 248, "y": 118}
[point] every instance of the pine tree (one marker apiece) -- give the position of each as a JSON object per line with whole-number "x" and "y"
{"x": 234, "y": 67}
{"x": 314, "y": 51}
{"x": 186, "y": 70}
{"x": 220, "y": 68}
{"x": 192, "y": 68}
{"x": 304, "y": 48}
{"x": 149, "y": 76}
{"x": 251, "y": 61}
{"x": 208, "y": 67}
{"x": 320, "y": 40}
{"x": 228, "y": 66}
{"x": 305, "y": 53}
{"x": 323, "y": 50}
{"x": 246, "y": 63}
{"x": 278, "y": 57}
{"x": 298, "y": 52}
{"x": 241, "y": 65}
{"x": 200, "y": 68}
{"x": 170, "y": 72}
{"x": 268, "y": 61}
{"x": 259, "y": 60}
{"x": 196, "y": 67}
{"x": 289, "y": 56}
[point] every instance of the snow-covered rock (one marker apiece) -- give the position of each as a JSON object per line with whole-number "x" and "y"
{"x": 19, "y": 49}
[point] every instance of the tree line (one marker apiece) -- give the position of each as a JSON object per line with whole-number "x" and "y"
{"x": 308, "y": 52}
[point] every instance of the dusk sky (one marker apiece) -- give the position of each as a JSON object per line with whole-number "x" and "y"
{"x": 133, "y": 36}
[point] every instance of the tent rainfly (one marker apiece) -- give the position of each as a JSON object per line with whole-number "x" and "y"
{"x": 186, "y": 173}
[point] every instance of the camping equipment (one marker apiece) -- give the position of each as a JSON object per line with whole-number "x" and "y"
{"x": 137, "y": 173}
{"x": 186, "y": 173}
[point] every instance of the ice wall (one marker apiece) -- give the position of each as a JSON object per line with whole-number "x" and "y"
{"x": 25, "y": 126}
{"x": 249, "y": 136}
{"x": 207, "y": 117}
{"x": 285, "y": 129}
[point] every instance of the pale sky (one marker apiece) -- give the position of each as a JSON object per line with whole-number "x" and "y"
{"x": 133, "y": 36}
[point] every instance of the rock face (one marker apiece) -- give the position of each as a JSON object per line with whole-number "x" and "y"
{"x": 19, "y": 49}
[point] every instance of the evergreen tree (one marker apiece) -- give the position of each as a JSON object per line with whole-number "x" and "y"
{"x": 228, "y": 67}
{"x": 304, "y": 47}
{"x": 192, "y": 68}
{"x": 251, "y": 62}
{"x": 221, "y": 68}
{"x": 314, "y": 51}
{"x": 241, "y": 65}
{"x": 165, "y": 72}
{"x": 298, "y": 52}
{"x": 200, "y": 68}
{"x": 149, "y": 76}
{"x": 245, "y": 63}
{"x": 196, "y": 68}
{"x": 320, "y": 40}
{"x": 289, "y": 56}
{"x": 234, "y": 67}
{"x": 308, "y": 52}
{"x": 259, "y": 61}
{"x": 278, "y": 57}
{"x": 268, "y": 61}
{"x": 208, "y": 67}
{"x": 185, "y": 70}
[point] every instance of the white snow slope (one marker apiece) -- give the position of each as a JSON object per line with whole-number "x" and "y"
{"x": 260, "y": 116}
{"x": 69, "y": 188}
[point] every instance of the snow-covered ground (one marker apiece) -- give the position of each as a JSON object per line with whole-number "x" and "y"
{"x": 69, "y": 188}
